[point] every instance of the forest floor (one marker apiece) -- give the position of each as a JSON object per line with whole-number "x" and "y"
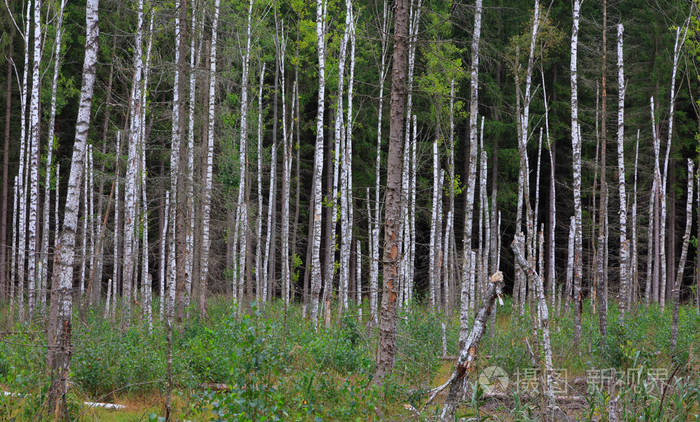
{"x": 269, "y": 364}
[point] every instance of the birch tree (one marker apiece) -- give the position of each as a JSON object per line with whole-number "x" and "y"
{"x": 374, "y": 265}
{"x": 432, "y": 257}
{"x": 242, "y": 204}
{"x": 44, "y": 263}
{"x": 321, "y": 8}
{"x": 576, "y": 147}
{"x": 191, "y": 217}
{"x": 132, "y": 167}
{"x": 664, "y": 182}
{"x": 206, "y": 200}
{"x": 33, "y": 161}
{"x": 258, "y": 223}
{"x": 59, "y": 337}
{"x": 471, "y": 173}
{"x": 624, "y": 246}
{"x": 22, "y": 172}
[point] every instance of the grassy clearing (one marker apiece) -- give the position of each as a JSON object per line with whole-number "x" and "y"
{"x": 279, "y": 368}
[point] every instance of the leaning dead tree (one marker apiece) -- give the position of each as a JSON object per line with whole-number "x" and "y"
{"x": 465, "y": 364}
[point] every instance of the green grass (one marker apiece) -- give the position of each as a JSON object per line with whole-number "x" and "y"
{"x": 280, "y": 368}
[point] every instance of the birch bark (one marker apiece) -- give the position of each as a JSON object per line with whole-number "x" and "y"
{"x": 242, "y": 207}
{"x": 576, "y": 147}
{"x": 259, "y": 280}
{"x": 59, "y": 338}
{"x": 206, "y": 200}
{"x": 664, "y": 182}
{"x": 471, "y": 174}
{"x": 321, "y": 8}
{"x": 132, "y": 168}
{"x": 44, "y": 263}
{"x": 33, "y": 162}
{"x": 624, "y": 245}
{"x": 374, "y": 266}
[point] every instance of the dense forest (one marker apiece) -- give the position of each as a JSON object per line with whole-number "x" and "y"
{"x": 373, "y": 190}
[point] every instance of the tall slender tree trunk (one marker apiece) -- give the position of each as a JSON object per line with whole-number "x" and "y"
{"x": 664, "y": 182}
{"x": 552, "y": 213}
{"x": 576, "y": 147}
{"x": 242, "y": 204}
{"x": 633, "y": 292}
{"x": 471, "y": 176}
{"x": 259, "y": 280}
{"x": 433, "y": 254}
{"x": 321, "y": 8}
{"x": 4, "y": 288}
{"x": 132, "y": 168}
{"x": 44, "y": 262}
{"x": 22, "y": 173}
{"x": 206, "y": 200}
{"x": 624, "y": 245}
{"x": 374, "y": 266}
{"x": 190, "y": 209}
{"x": 392, "y": 210}
{"x": 34, "y": 162}
{"x": 59, "y": 337}
{"x": 602, "y": 292}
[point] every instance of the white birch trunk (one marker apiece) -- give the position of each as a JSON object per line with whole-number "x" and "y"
{"x": 664, "y": 183}
{"x": 112, "y": 287}
{"x": 130, "y": 199}
{"x": 358, "y": 281}
{"x": 22, "y": 172}
{"x": 259, "y": 280}
{"x": 318, "y": 162}
{"x": 483, "y": 216}
{"x": 13, "y": 258}
{"x": 624, "y": 246}
{"x": 84, "y": 257}
{"x": 163, "y": 252}
{"x": 44, "y": 264}
{"x": 174, "y": 172}
{"x": 206, "y": 200}
{"x": 191, "y": 216}
{"x": 374, "y": 263}
{"x": 33, "y": 162}
{"x": 634, "y": 267}
{"x": 551, "y": 267}
{"x": 412, "y": 212}
{"x": 576, "y": 147}
{"x": 347, "y": 154}
{"x": 414, "y": 21}
{"x": 653, "y": 284}
{"x": 570, "y": 263}
{"x": 242, "y": 207}
{"x": 432, "y": 257}
{"x": 471, "y": 175}
{"x": 58, "y": 356}
{"x": 449, "y": 257}
{"x": 146, "y": 286}
{"x": 339, "y": 179}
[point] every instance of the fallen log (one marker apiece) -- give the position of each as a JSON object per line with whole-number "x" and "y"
{"x": 110, "y": 406}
